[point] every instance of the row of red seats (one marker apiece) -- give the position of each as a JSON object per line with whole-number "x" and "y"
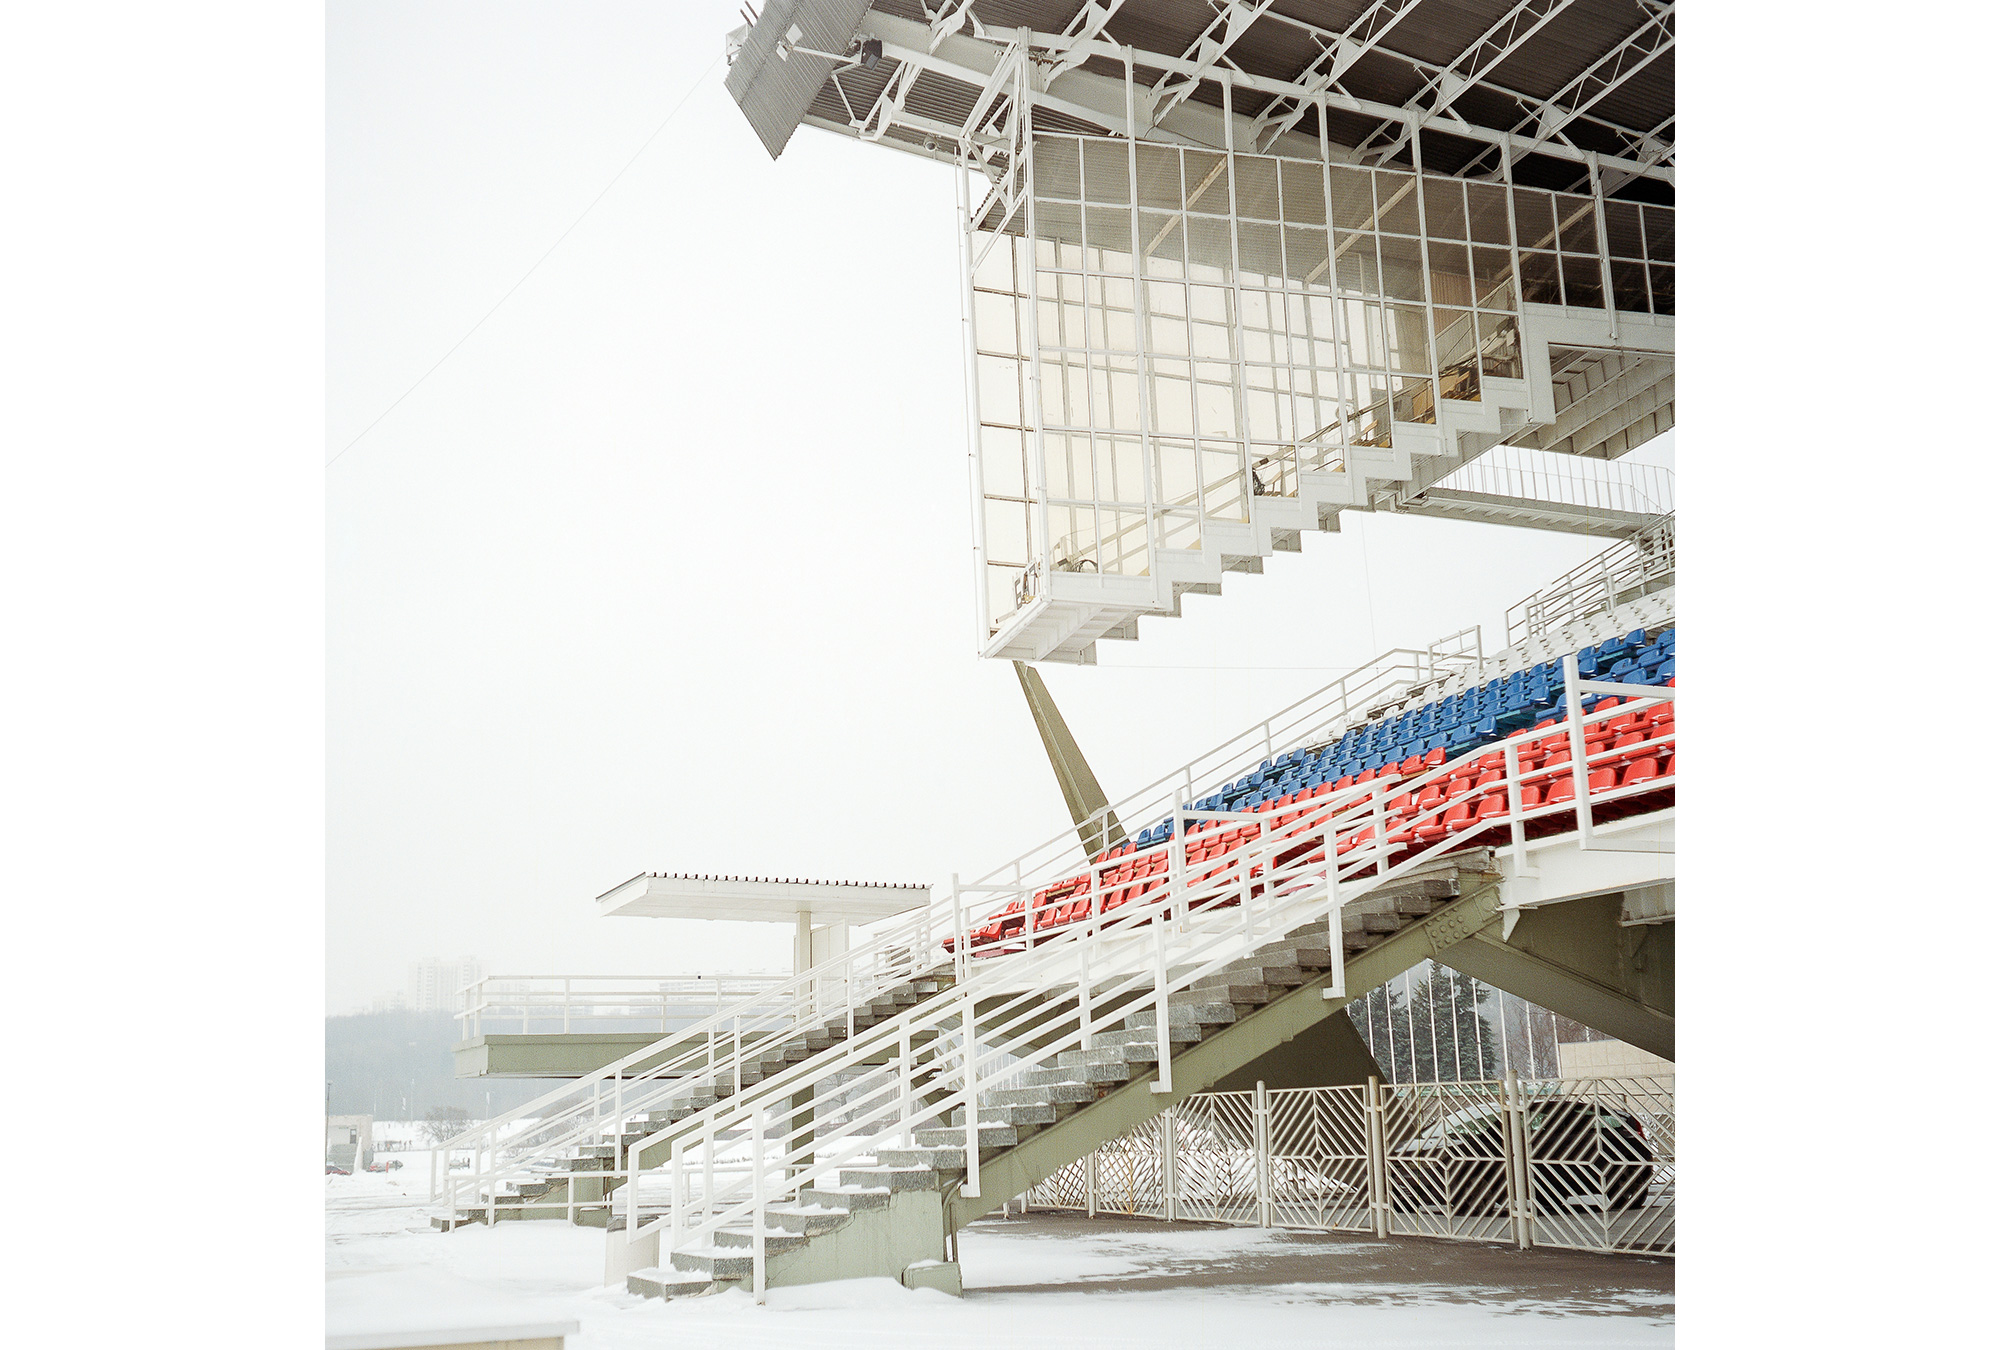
{"x": 1616, "y": 750}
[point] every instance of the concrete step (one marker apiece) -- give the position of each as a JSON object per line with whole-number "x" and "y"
{"x": 812, "y": 1220}
{"x": 717, "y": 1263}
{"x": 890, "y": 1178}
{"x": 1273, "y": 970}
{"x": 1061, "y": 1090}
{"x": 776, "y": 1240}
{"x": 935, "y": 1159}
{"x": 1178, "y": 1033}
{"x": 667, "y": 1283}
{"x": 1042, "y": 1113}
{"x": 1105, "y": 1073}
{"x": 1236, "y": 990}
{"x": 990, "y": 1136}
{"x": 829, "y": 1196}
{"x": 1216, "y": 1014}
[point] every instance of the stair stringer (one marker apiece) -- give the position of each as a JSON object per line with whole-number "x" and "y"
{"x": 1198, "y": 1068}
{"x": 884, "y": 1240}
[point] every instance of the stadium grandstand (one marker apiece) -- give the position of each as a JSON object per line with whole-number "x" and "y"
{"x": 1231, "y": 269}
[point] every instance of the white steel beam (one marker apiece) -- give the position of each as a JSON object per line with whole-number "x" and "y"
{"x": 1100, "y": 100}
{"x": 1233, "y": 21}
{"x": 1602, "y": 76}
{"x": 1085, "y": 28}
{"x": 1495, "y": 45}
{"x": 1362, "y": 36}
{"x": 1530, "y": 104}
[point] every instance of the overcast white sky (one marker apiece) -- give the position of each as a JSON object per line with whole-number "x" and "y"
{"x": 668, "y": 566}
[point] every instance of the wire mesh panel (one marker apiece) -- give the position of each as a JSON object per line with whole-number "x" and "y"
{"x": 1319, "y": 1159}
{"x": 1445, "y": 1147}
{"x": 1601, "y": 1163}
{"x": 1216, "y": 1163}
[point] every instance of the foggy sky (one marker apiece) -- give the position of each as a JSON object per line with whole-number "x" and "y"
{"x": 668, "y": 567}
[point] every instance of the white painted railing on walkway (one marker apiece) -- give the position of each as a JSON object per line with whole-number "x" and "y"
{"x": 1586, "y": 1164}
{"x": 1566, "y": 480}
{"x": 543, "y": 1004}
{"x": 1629, "y": 568}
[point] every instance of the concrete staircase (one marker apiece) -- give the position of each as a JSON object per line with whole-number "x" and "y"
{"x": 900, "y": 1207}
{"x": 580, "y": 1186}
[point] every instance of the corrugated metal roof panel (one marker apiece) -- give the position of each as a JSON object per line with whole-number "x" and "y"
{"x": 775, "y": 94}
{"x": 1434, "y": 33}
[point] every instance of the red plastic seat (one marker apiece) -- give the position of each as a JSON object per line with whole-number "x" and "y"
{"x": 1435, "y": 759}
{"x": 1643, "y": 770}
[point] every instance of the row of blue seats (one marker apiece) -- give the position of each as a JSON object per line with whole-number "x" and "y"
{"x": 1453, "y": 725}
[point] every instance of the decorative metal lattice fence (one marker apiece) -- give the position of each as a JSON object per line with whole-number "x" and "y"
{"x": 1586, "y": 1164}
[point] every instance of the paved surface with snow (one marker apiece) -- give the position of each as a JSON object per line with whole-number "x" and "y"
{"x": 1035, "y": 1281}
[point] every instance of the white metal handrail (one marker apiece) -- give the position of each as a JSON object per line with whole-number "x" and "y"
{"x": 526, "y": 1003}
{"x": 1320, "y": 716}
{"x": 1628, "y": 568}
{"x": 1122, "y": 963}
{"x": 1569, "y": 480}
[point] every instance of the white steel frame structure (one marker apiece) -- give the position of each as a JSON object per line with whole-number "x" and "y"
{"x": 1207, "y": 305}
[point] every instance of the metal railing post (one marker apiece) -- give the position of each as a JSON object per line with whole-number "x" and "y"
{"x": 1090, "y": 1184}
{"x": 757, "y": 1205}
{"x": 677, "y": 1198}
{"x": 1519, "y": 1184}
{"x": 1170, "y": 1172}
{"x": 1260, "y": 1109}
{"x": 1516, "y": 827}
{"x": 1578, "y": 752}
{"x": 1336, "y": 939}
{"x": 1176, "y": 897}
{"x": 971, "y": 1187}
{"x": 960, "y": 957}
{"x": 1083, "y": 1009}
{"x": 1378, "y": 1162}
{"x": 908, "y": 1085}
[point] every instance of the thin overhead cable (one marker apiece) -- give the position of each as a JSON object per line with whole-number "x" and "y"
{"x": 537, "y": 264}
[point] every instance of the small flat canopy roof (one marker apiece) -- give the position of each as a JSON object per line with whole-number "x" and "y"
{"x": 659, "y": 895}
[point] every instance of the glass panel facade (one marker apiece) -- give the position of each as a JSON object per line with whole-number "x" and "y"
{"x": 1163, "y": 333}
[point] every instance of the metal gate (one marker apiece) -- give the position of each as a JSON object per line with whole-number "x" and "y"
{"x": 1586, "y": 1164}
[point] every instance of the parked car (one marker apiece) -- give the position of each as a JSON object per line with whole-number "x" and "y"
{"x": 1583, "y": 1155}
{"x": 333, "y": 1171}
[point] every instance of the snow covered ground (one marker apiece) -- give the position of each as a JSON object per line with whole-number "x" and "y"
{"x": 1032, "y": 1282}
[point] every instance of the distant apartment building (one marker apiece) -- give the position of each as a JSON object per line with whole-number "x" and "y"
{"x": 433, "y": 986}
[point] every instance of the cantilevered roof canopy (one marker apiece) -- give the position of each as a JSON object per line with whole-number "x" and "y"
{"x": 659, "y": 895}
{"x": 1532, "y": 87}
